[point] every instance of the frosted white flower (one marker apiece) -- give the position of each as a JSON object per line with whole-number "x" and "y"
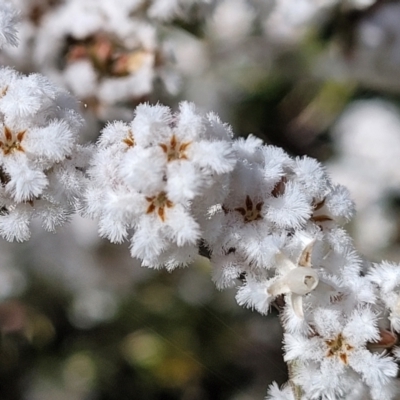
{"x": 108, "y": 56}
{"x": 157, "y": 176}
{"x": 337, "y": 352}
{"x": 276, "y": 203}
{"x": 247, "y": 229}
{"x": 40, "y": 161}
{"x": 99, "y": 45}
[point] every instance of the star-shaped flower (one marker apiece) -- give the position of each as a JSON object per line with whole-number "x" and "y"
{"x": 297, "y": 278}
{"x": 338, "y": 350}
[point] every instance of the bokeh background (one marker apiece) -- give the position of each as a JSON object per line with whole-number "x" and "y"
{"x": 80, "y": 319}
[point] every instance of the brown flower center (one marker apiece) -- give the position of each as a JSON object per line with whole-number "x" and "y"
{"x": 338, "y": 347}
{"x": 10, "y": 143}
{"x": 175, "y": 150}
{"x": 129, "y": 140}
{"x": 158, "y": 204}
{"x": 250, "y": 211}
{"x": 108, "y": 57}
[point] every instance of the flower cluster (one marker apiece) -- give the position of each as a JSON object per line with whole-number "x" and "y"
{"x": 274, "y": 226}
{"x": 331, "y": 361}
{"x": 107, "y": 56}
{"x": 280, "y": 235}
{"x": 159, "y": 176}
{"x": 103, "y": 55}
{"x": 40, "y": 160}
{"x": 271, "y": 222}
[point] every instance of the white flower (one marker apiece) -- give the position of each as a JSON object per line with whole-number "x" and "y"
{"x": 158, "y": 176}
{"x": 40, "y": 171}
{"x": 107, "y": 56}
{"x": 276, "y": 210}
{"x": 337, "y": 353}
{"x": 295, "y": 279}
{"x": 270, "y": 196}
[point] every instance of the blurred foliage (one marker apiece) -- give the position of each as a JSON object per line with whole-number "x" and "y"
{"x": 156, "y": 347}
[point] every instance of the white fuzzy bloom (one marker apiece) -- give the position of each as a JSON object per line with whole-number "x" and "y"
{"x": 107, "y": 56}
{"x": 40, "y": 160}
{"x": 102, "y": 46}
{"x": 338, "y": 354}
{"x": 158, "y": 175}
{"x": 8, "y": 20}
{"x": 279, "y": 232}
{"x": 280, "y": 236}
{"x": 169, "y": 182}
